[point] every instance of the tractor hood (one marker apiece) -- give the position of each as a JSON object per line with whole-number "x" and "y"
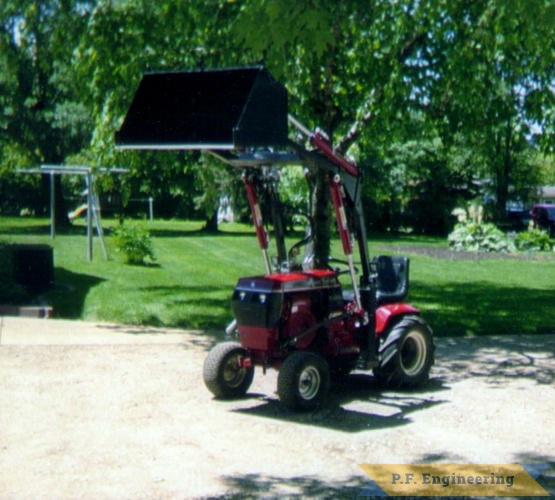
{"x": 222, "y": 109}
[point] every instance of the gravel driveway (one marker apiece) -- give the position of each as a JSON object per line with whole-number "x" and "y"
{"x": 132, "y": 419}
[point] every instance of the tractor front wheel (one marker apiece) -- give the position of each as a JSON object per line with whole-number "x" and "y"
{"x": 406, "y": 354}
{"x": 303, "y": 380}
{"x": 224, "y": 373}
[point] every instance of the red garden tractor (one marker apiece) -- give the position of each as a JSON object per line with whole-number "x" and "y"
{"x": 294, "y": 318}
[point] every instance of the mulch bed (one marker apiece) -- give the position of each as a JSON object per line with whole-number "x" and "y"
{"x": 447, "y": 253}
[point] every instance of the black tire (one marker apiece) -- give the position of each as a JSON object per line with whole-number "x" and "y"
{"x": 223, "y": 375}
{"x": 303, "y": 381}
{"x": 406, "y": 354}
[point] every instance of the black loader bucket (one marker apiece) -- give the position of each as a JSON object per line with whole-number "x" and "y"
{"x": 214, "y": 109}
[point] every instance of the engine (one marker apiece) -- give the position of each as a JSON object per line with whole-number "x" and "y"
{"x": 297, "y": 310}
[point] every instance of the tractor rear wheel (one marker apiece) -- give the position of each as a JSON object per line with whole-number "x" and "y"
{"x": 406, "y": 353}
{"x": 303, "y": 380}
{"x": 223, "y": 372}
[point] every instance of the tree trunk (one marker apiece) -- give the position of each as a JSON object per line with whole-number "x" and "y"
{"x": 62, "y": 218}
{"x": 211, "y": 225}
{"x": 503, "y": 173}
{"x": 60, "y": 206}
{"x": 322, "y": 230}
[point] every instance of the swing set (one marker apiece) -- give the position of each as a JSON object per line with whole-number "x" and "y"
{"x": 92, "y": 205}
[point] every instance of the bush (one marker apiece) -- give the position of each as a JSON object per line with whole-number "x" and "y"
{"x": 534, "y": 240}
{"x": 480, "y": 237}
{"x": 135, "y": 242}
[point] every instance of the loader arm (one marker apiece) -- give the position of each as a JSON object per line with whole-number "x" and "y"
{"x": 353, "y": 185}
{"x": 345, "y": 185}
{"x": 241, "y": 116}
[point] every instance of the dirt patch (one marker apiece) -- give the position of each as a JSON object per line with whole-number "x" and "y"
{"x": 135, "y": 421}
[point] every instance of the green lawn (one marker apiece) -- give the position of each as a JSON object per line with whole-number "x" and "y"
{"x": 485, "y": 296}
{"x": 191, "y": 283}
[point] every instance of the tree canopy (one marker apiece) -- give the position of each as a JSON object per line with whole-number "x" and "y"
{"x": 428, "y": 95}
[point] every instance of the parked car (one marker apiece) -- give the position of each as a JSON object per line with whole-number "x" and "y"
{"x": 518, "y": 219}
{"x": 543, "y": 216}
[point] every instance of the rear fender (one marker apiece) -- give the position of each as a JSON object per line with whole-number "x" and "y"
{"x": 390, "y": 313}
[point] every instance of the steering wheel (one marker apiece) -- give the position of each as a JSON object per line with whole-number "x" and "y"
{"x": 339, "y": 271}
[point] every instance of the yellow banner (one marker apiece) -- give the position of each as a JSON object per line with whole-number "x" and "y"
{"x": 510, "y": 480}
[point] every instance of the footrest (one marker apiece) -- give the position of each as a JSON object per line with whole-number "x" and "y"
{"x": 365, "y": 362}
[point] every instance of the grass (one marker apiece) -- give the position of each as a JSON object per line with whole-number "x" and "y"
{"x": 191, "y": 283}
{"x": 485, "y": 296}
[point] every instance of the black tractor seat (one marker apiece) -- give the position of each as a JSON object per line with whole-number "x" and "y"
{"x": 392, "y": 280}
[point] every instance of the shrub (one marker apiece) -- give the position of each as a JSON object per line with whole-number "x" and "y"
{"x": 534, "y": 240}
{"x": 480, "y": 237}
{"x": 135, "y": 242}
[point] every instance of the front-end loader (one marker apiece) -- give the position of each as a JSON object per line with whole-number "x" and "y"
{"x": 295, "y": 318}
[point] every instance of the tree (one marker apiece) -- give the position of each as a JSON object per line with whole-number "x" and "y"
{"x": 316, "y": 48}
{"x": 43, "y": 118}
{"x": 492, "y": 70}
{"x": 319, "y": 55}
{"x": 378, "y": 77}
{"x": 124, "y": 39}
